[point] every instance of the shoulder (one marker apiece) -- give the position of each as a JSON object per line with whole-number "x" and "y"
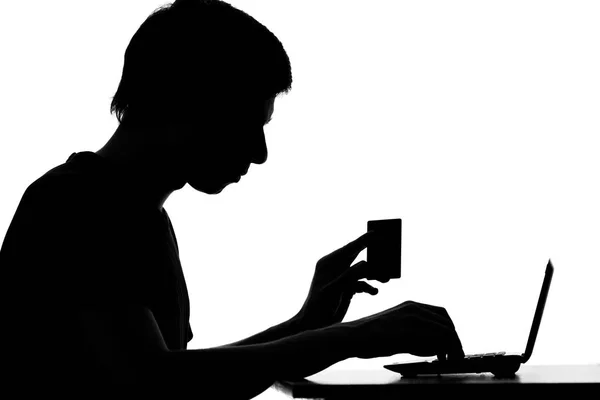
{"x": 58, "y": 185}
{"x": 55, "y": 208}
{"x": 73, "y": 193}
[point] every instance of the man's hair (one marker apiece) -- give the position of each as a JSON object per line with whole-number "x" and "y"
{"x": 190, "y": 55}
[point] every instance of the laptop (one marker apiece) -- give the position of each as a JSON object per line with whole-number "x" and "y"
{"x": 501, "y": 364}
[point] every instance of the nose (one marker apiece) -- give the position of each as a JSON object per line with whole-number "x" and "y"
{"x": 259, "y": 151}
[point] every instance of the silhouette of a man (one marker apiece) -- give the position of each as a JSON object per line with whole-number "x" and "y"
{"x": 93, "y": 293}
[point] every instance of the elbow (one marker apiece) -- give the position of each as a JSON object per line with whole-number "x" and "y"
{"x": 174, "y": 373}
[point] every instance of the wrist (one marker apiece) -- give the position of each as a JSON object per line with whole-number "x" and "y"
{"x": 294, "y": 325}
{"x": 307, "y": 323}
{"x": 299, "y": 322}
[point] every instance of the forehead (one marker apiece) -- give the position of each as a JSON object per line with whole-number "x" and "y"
{"x": 239, "y": 109}
{"x": 245, "y": 101}
{"x": 256, "y": 107}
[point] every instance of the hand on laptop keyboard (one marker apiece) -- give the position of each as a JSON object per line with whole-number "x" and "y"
{"x": 410, "y": 327}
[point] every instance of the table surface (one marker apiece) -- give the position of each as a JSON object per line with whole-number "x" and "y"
{"x": 381, "y": 383}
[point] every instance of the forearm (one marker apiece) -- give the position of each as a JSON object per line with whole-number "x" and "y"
{"x": 244, "y": 371}
{"x": 290, "y": 327}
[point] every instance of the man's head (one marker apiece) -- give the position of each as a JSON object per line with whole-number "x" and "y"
{"x": 193, "y": 55}
{"x": 209, "y": 70}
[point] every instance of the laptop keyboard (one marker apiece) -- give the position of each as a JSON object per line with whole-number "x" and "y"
{"x": 477, "y": 357}
{"x": 486, "y": 355}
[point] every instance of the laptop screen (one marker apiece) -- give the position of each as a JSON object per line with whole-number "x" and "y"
{"x": 537, "y": 318}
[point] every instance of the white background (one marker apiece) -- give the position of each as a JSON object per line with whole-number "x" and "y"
{"x": 476, "y": 122}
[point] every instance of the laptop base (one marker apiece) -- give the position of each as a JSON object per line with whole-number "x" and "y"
{"x": 501, "y": 366}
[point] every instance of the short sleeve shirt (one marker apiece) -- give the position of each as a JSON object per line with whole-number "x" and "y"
{"x": 81, "y": 238}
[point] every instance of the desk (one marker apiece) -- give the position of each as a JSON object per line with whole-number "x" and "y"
{"x": 578, "y": 380}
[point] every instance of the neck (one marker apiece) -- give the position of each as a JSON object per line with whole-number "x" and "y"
{"x": 142, "y": 163}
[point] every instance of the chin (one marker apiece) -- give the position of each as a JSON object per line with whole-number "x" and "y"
{"x": 208, "y": 187}
{"x": 179, "y": 184}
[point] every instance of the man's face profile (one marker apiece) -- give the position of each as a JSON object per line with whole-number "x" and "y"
{"x": 221, "y": 151}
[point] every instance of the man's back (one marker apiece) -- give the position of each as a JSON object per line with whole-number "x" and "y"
{"x": 80, "y": 242}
